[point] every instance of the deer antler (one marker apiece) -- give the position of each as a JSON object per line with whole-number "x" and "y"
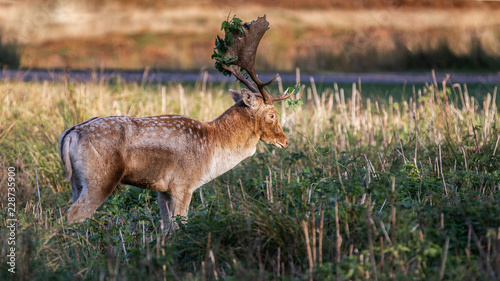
{"x": 239, "y": 53}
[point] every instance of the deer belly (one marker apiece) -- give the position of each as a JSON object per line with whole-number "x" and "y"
{"x": 162, "y": 171}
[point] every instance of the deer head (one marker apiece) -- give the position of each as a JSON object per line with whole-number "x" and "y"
{"x": 240, "y": 55}
{"x": 263, "y": 116}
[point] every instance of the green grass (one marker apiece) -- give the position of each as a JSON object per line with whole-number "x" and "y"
{"x": 429, "y": 182}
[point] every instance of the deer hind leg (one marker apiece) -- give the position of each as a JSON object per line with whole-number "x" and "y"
{"x": 92, "y": 195}
{"x": 76, "y": 188}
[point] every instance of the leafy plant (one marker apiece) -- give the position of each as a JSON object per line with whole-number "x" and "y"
{"x": 230, "y": 27}
{"x": 294, "y": 104}
{"x": 9, "y": 54}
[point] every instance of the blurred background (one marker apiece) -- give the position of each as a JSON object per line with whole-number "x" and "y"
{"x": 316, "y": 35}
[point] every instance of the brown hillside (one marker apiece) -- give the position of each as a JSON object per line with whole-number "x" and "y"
{"x": 314, "y": 35}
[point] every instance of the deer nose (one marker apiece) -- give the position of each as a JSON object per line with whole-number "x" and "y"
{"x": 286, "y": 144}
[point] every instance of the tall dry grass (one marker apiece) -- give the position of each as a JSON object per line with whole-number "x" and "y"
{"x": 370, "y": 188}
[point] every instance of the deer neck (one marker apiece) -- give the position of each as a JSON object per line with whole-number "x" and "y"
{"x": 234, "y": 133}
{"x": 233, "y": 140}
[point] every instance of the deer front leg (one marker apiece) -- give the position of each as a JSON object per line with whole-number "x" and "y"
{"x": 165, "y": 202}
{"x": 172, "y": 204}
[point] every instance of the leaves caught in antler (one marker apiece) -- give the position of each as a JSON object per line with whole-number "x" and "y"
{"x": 240, "y": 43}
{"x": 236, "y": 53}
{"x": 222, "y": 46}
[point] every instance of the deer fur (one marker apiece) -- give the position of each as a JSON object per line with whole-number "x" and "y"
{"x": 173, "y": 155}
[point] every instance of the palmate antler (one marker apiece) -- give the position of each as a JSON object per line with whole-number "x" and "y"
{"x": 245, "y": 41}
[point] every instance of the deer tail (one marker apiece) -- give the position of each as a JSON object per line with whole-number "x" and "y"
{"x": 68, "y": 138}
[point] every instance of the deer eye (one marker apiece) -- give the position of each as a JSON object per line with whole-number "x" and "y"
{"x": 271, "y": 116}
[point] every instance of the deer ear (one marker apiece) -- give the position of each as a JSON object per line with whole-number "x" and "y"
{"x": 236, "y": 95}
{"x": 249, "y": 98}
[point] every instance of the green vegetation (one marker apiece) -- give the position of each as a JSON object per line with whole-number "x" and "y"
{"x": 9, "y": 54}
{"x": 370, "y": 188}
{"x": 372, "y": 58}
{"x": 222, "y": 45}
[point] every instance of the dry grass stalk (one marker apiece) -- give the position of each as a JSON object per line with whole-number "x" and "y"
{"x": 369, "y": 225}
{"x": 123, "y": 244}
{"x": 321, "y": 231}
{"x": 338, "y": 242}
{"x": 393, "y": 212}
{"x": 441, "y": 170}
{"x": 445, "y": 256}
{"x": 313, "y": 222}
{"x": 308, "y": 249}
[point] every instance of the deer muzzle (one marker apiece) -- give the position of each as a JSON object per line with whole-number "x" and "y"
{"x": 281, "y": 143}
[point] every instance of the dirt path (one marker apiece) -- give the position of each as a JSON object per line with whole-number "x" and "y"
{"x": 162, "y": 77}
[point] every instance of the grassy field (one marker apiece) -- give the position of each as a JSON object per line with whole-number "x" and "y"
{"x": 372, "y": 187}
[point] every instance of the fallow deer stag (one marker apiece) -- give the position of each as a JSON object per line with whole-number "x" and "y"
{"x": 173, "y": 155}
